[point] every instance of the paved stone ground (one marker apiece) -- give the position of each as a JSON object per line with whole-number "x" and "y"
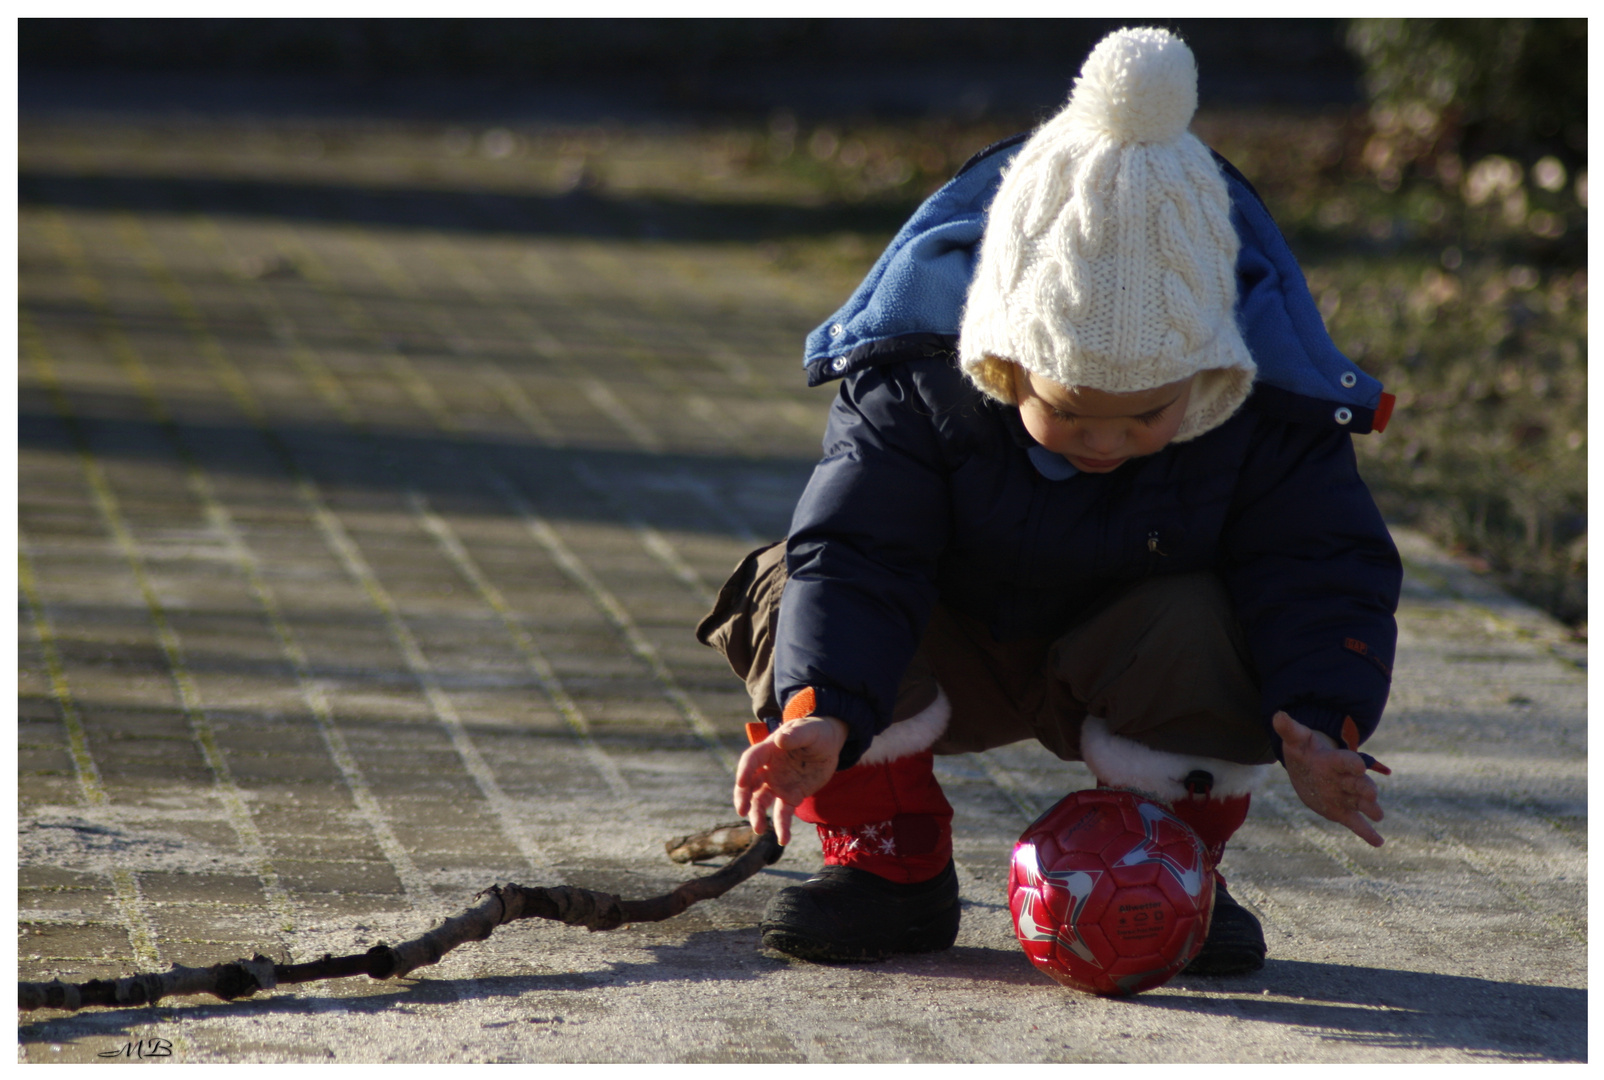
{"x": 365, "y": 510}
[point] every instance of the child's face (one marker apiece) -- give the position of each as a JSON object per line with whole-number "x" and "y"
{"x": 1097, "y": 431}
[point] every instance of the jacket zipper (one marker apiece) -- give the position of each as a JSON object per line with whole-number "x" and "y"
{"x": 1154, "y": 552}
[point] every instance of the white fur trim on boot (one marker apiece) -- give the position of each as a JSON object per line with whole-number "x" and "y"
{"x": 1123, "y": 763}
{"x": 917, "y": 733}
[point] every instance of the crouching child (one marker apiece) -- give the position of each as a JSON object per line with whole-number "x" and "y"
{"x": 1088, "y": 479}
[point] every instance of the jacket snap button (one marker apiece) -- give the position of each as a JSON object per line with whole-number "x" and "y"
{"x": 837, "y": 330}
{"x": 1344, "y": 415}
{"x": 839, "y": 364}
{"x": 1349, "y": 379}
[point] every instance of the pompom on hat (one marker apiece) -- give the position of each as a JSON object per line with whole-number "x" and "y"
{"x": 1109, "y": 258}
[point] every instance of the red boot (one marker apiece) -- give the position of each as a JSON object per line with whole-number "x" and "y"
{"x": 888, "y": 884}
{"x": 1214, "y": 820}
{"x": 1235, "y": 944}
{"x": 890, "y": 819}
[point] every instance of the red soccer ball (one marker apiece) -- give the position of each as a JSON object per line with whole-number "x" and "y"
{"x": 1110, "y": 892}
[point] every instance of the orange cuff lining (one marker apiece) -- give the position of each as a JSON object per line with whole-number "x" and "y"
{"x": 801, "y": 705}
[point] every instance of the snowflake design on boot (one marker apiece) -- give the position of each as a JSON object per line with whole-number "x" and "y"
{"x": 873, "y": 838}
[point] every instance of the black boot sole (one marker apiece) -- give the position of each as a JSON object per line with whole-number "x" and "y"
{"x": 1235, "y": 945}
{"x": 933, "y": 936}
{"x": 847, "y": 916}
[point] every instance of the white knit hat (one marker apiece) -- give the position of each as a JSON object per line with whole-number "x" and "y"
{"x": 1109, "y": 258}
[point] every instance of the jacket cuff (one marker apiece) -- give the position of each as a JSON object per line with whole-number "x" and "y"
{"x": 850, "y": 709}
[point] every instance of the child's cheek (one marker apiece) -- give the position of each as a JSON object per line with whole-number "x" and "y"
{"x": 1165, "y": 432}
{"x": 1040, "y": 428}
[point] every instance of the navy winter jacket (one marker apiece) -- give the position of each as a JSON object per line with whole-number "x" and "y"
{"x": 928, "y": 490}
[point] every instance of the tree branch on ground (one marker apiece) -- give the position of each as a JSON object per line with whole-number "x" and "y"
{"x": 498, "y": 905}
{"x": 731, "y": 839}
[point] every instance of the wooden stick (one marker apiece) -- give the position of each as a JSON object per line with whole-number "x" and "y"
{"x": 498, "y": 905}
{"x": 729, "y": 839}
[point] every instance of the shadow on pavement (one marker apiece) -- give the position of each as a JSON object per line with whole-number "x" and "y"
{"x": 580, "y": 213}
{"x": 456, "y": 471}
{"x": 1384, "y": 1008}
{"x": 1370, "y": 1006}
{"x": 702, "y": 957}
{"x": 639, "y": 739}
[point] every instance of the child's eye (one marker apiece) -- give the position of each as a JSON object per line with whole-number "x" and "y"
{"x": 1146, "y": 419}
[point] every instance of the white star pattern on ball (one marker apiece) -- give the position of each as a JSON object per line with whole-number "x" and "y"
{"x": 1191, "y": 878}
{"x": 1079, "y": 885}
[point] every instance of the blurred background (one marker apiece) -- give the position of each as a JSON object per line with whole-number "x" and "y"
{"x": 1431, "y": 176}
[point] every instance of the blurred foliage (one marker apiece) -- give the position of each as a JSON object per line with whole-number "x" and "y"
{"x": 1460, "y": 279}
{"x": 1487, "y": 449}
{"x": 1443, "y": 90}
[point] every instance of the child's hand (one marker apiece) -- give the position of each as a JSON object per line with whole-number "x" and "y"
{"x": 1330, "y": 781}
{"x": 778, "y": 773}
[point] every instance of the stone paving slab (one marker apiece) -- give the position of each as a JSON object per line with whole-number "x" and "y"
{"x": 358, "y": 557}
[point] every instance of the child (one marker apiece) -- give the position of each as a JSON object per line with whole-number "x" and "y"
{"x": 1118, "y": 512}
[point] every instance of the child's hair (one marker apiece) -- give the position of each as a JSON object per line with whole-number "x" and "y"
{"x": 995, "y": 377}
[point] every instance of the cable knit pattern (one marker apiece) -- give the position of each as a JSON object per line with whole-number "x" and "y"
{"x": 1109, "y": 258}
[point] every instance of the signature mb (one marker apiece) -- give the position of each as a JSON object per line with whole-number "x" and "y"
{"x": 144, "y": 1048}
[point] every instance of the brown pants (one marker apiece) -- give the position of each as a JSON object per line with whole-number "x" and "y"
{"x": 1164, "y": 664}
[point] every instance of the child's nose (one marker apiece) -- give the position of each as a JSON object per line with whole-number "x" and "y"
{"x": 1102, "y": 439}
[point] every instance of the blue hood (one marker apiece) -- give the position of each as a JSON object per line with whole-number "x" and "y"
{"x": 914, "y": 294}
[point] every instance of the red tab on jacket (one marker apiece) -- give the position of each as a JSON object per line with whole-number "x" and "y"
{"x": 1350, "y": 736}
{"x": 802, "y": 704}
{"x": 1383, "y": 412}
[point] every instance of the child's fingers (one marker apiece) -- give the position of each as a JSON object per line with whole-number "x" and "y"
{"x": 1359, "y": 786}
{"x": 1370, "y": 808}
{"x": 1290, "y": 730}
{"x": 793, "y": 736}
{"x": 1330, "y": 780}
{"x": 1363, "y": 788}
{"x": 1360, "y": 796}
{"x": 1362, "y": 829}
{"x": 746, "y": 803}
{"x": 754, "y": 760}
{"x": 1363, "y": 799}
{"x": 1345, "y": 765}
{"x": 742, "y": 798}
{"x": 783, "y": 812}
{"x": 753, "y": 773}
{"x": 746, "y": 773}
{"x": 758, "y": 815}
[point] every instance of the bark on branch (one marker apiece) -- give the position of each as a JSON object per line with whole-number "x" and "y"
{"x": 729, "y": 839}
{"x": 498, "y": 905}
